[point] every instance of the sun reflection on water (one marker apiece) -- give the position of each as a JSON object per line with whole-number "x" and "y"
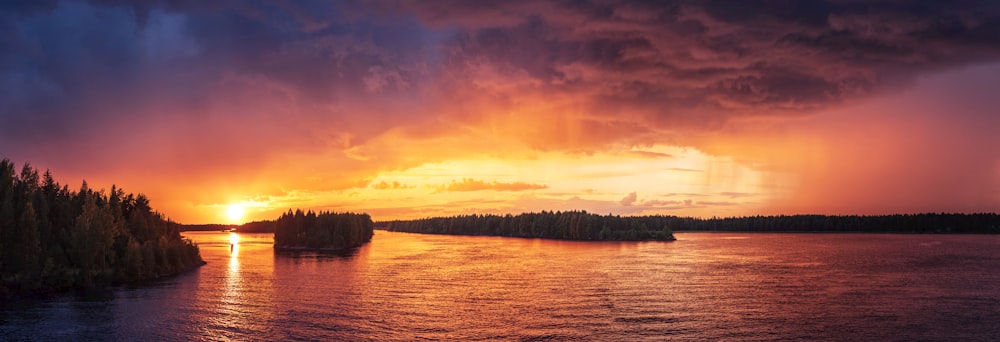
{"x": 233, "y": 277}
{"x": 234, "y": 238}
{"x": 232, "y": 302}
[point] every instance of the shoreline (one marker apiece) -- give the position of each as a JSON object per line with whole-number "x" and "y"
{"x": 672, "y": 238}
{"x": 822, "y": 232}
{"x": 310, "y": 249}
{"x": 15, "y": 297}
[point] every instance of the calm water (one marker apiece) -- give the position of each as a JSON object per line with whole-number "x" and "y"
{"x": 704, "y": 286}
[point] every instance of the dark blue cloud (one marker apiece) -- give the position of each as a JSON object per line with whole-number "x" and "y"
{"x": 60, "y": 60}
{"x": 68, "y": 68}
{"x": 740, "y": 57}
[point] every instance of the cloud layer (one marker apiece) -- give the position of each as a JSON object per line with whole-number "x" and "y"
{"x": 469, "y": 184}
{"x": 201, "y": 104}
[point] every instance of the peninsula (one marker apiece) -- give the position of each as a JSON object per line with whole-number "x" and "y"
{"x": 53, "y": 239}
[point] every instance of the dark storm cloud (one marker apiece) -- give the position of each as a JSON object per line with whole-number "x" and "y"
{"x": 56, "y": 60}
{"x": 71, "y": 70}
{"x": 258, "y": 37}
{"x": 66, "y": 67}
{"x": 725, "y": 56}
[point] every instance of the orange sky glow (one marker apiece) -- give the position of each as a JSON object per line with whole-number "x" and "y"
{"x": 410, "y": 111}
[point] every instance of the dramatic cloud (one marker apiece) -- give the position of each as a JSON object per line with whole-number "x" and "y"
{"x": 699, "y": 62}
{"x": 785, "y": 106}
{"x": 932, "y": 149}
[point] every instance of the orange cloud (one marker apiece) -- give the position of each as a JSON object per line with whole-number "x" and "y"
{"x": 798, "y": 109}
{"x": 629, "y": 199}
{"x": 383, "y": 185}
{"x": 468, "y": 184}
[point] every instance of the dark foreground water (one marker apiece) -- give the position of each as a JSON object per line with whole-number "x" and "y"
{"x": 705, "y": 286}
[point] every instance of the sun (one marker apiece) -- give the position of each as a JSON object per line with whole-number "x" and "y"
{"x": 235, "y": 212}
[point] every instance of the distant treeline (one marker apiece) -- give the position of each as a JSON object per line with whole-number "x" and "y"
{"x": 568, "y": 225}
{"x": 257, "y": 227}
{"x": 54, "y": 239}
{"x": 579, "y": 225}
{"x": 213, "y": 227}
{"x": 983, "y": 223}
{"x": 326, "y": 230}
{"x": 249, "y": 227}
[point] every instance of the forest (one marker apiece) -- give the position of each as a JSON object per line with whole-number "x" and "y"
{"x": 257, "y": 227}
{"x": 266, "y": 226}
{"x": 566, "y": 225}
{"x": 580, "y": 225}
{"x": 981, "y": 223}
{"x": 54, "y": 239}
{"x": 323, "y": 231}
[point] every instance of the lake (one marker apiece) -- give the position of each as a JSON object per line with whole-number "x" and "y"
{"x": 704, "y": 286}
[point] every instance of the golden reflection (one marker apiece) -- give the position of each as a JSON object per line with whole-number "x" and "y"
{"x": 234, "y": 238}
{"x": 232, "y": 301}
{"x": 232, "y": 294}
{"x": 235, "y": 285}
{"x": 233, "y": 274}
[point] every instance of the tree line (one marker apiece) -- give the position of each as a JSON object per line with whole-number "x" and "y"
{"x": 566, "y": 225}
{"x": 325, "y": 230}
{"x": 266, "y": 226}
{"x": 54, "y": 239}
{"x": 257, "y": 227}
{"x": 580, "y": 225}
{"x": 981, "y": 223}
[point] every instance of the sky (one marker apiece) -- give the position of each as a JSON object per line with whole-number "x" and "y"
{"x": 410, "y": 109}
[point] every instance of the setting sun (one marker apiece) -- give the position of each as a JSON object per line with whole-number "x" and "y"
{"x": 235, "y": 212}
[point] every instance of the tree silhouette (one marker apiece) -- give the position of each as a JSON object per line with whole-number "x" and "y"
{"x": 569, "y": 225}
{"x": 53, "y": 239}
{"x": 326, "y": 230}
{"x": 580, "y": 225}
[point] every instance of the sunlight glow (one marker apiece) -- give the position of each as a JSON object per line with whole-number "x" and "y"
{"x": 234, "y": 238}
{"x": 235, "y": 212}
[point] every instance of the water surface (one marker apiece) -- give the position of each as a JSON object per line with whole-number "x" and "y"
{"x": 705, "y": 286}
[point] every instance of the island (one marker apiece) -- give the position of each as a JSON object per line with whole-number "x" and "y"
{"x": 563, "y": 225}
{"x": 325, "y": 231}
{"x": 53, "y": 239}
